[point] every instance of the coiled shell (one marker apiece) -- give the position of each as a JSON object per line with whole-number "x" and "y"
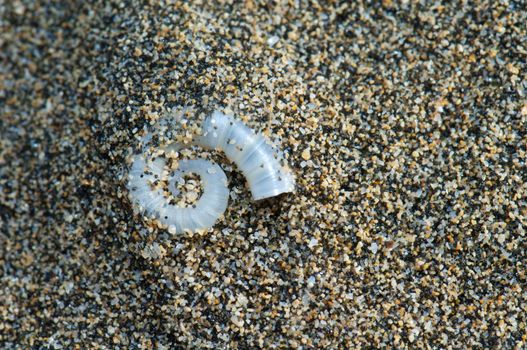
{"x": 265, "y": 171}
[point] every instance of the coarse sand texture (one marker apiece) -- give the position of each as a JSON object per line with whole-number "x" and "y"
{"x": 402, "y": 123}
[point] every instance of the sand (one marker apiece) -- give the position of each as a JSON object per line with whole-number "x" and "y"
{"x": 405, "y": 125}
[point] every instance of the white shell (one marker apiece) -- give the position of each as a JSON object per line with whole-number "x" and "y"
{"x": 251, "y": 153}
{"x": 206, "y": 211}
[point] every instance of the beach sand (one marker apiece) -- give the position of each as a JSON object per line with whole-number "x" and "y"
{"x": 405, "y": 125}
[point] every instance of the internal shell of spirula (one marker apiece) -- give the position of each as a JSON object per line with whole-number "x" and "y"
{"x": 263, "y": 167}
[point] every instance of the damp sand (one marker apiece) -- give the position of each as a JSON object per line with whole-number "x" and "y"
{"x": 405, "y": 125}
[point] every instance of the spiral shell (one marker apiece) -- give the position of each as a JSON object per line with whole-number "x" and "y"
{"x": 264, "y": 169}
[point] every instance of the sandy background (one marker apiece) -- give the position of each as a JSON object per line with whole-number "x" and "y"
{"x": 405, "y": 124}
